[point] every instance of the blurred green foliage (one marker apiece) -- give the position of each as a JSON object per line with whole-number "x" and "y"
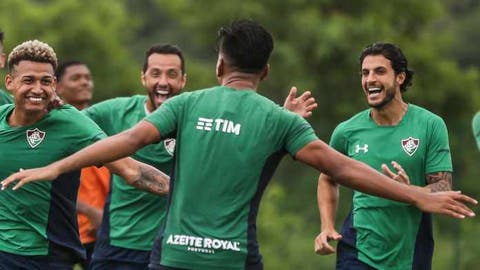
{"x": 317, "y": 44}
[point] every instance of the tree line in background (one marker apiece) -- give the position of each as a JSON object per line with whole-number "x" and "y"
{"x": 317, "y": 44}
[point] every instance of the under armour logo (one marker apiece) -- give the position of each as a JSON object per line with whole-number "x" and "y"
{"x": 364, "y": 148}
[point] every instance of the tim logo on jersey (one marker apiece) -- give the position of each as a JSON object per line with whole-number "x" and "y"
{"x": 219, "y": 125}
{"x": 35, "y": 137}
{"x": 410, "y": 145}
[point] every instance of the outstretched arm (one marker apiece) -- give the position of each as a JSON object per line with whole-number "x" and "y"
{"x": 327, "y": 197}
{"x": 101, "y": 152}
{"x": 359, "y": 176}
{"x": 302, "y": 105}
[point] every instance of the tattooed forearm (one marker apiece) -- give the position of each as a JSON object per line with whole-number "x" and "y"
{"x": 152, "y": 180}
{"x": 440, "y": 181}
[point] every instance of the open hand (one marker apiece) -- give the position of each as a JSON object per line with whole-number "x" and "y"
{"x": 302, "y": 105}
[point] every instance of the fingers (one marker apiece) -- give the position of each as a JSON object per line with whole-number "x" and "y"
{"x": 401, "y": 175}
{"x": 7, "y": 181}
{"x": 20, "y": 183}
{"x": 293, "y": 93}
{"x": 451, "y": 203}
{"x": 464, "y": 198}
{"x": 14, "y": 177}
{"x": 322, "y": 246}
{"x": 387, "y": 171}
{"x": 460, "y": 207}
{"x": 306, "y": 96}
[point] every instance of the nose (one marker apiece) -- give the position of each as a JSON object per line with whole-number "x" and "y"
{"x": 163, "y": 80}
{"x": 371, "y": 77}
{"x": 37, "y": 87}
{"x": 87, "y": 82}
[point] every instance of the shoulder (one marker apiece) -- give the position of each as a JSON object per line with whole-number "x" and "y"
{"x": 194, "y": 97}
{"x": 66, "y": 113}
{"x": 361, "y": 119}
{"x": 423, "y": 115}
{"x": 119, "y": 101}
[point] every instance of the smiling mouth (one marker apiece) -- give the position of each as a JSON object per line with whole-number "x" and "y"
{"x": 160, "y": 93}
{"x": 374, "y": 90}
{"x": 35, "y": 99}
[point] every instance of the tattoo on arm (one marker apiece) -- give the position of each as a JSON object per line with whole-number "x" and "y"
{"x": 439, "y": 181}
{"x": 152, "y": 180}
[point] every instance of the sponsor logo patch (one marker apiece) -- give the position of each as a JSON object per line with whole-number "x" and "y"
{"x": 219, "y": 125}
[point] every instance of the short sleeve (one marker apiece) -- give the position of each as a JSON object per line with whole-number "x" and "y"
{"x": 85, "y": 130}
{"x": 166, "y": 117}
{"x": 99, "y": 113}
{"x": 338, "y": 141}
{"x": 300, "y": 133}
{"x": 438, "y": 156}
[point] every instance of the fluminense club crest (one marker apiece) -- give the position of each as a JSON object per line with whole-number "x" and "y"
{"x": 169, "y": 145}
{"x": 410, "y": 145}
{"x": 35, "y": 137}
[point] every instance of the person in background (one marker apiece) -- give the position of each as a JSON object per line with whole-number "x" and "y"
{"x": 75, "y": 87}
{"x": 5, "y": 97}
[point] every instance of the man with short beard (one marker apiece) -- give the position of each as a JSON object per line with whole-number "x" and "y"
{"x": 380, "y": 233}
{"x": 131, "y": 217}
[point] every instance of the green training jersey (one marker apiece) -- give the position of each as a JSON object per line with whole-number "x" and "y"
{"x": 134, "y": 215}
{"x": 5, "y": 97}
{"x": 476, "y": 128}
{"x": 386, "y": 231}
{"x": 43, "y": 211}
{"x": 229, "y": 143}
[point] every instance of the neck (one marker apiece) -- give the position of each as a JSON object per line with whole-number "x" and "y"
{"x": 20, "y": 119}
{"x": 240, "y": 81}
{"x": 149, "y": 105}
{"x": 80, "y": 106}
{"x": 391, "y": 114}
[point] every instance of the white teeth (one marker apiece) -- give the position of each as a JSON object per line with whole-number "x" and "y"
{"x": 161, "y": 92}
{"x": 373, "y": 89}
{"x": 35, "y": 99}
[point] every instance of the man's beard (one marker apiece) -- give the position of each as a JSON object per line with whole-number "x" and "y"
{"x": 390, "y": 94}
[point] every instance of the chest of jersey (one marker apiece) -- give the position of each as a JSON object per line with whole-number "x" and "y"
{"x": 378, "y": 145}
